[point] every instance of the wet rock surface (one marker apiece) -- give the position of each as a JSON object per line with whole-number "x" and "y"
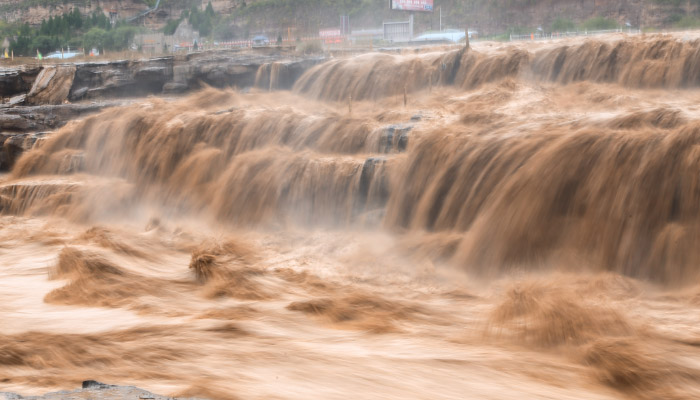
{"x": 47, "y": 117}
{"x": 395, "y": 138}
{"x": 13, "y": 145}
{"x": 170, "y": 74}
{"x": 14, "y": 81}
{"x": 121, "y": 78}
{"x": 21, "y": 127}
{"x": 94, "y": 390}
{"x": 52, "y": 85}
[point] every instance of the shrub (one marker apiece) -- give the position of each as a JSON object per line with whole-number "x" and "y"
{"x": 171, "y": 26}
{"x": 310, "y": 47}
{"x": 687, "y": 22}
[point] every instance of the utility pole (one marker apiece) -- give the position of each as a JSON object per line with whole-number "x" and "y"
{"x": 466, "y": 36}
{"x": 440, "y": 18}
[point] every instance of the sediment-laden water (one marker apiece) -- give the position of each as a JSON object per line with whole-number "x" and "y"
{"x": 527, "y": 225}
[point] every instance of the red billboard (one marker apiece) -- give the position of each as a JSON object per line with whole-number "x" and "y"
{"x": 412, "y": 5}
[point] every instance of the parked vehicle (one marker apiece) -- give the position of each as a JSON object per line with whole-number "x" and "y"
{"x": 261, "y": 40}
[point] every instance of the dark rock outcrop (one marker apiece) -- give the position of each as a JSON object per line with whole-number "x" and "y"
{"x": 237, "y": 69}
{"x": 95, "y": 390}
{"x": 21, "y": 127}
{"x": 171, "y": 74}
{"x": 17, "y": 81}
{"x": 281, "y": 74}
{"x": 374, "y": 189}
{"x": 122, "y": 78}
{"x": 395, "y": 138}
{"x": 47, "y": 117}
{"x": 13, "y": 145}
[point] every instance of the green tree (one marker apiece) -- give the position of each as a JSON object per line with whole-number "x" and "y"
{"x": 203, "y": 21}
{"x": 76, "y": 19}
{"x": 120, "y": 38}
{"x": 21, "y": 45}
{"x": 224, "y": 30}
{"x": 210, "y": 10}
{"x": 45, "y": 44}
{"x": 94, "y": 38}
{"x": 171, "y": 26}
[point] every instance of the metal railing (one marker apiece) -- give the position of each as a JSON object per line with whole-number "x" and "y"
{"x": 554, "y": 35}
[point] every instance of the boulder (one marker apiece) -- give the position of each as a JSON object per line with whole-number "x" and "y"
{"x": 52, "y": 86}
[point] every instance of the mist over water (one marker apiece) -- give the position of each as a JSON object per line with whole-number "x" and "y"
{"x": 527, "y": 225}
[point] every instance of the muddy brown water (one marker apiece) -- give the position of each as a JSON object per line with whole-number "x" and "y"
{"x": 519, "y": 229}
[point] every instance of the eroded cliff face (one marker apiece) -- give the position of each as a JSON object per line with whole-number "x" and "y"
{"x": 172, "y": 74}
{"x": 28, "y": 11}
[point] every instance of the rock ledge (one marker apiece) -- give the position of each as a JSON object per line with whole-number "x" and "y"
{"x": 94, "y": 390}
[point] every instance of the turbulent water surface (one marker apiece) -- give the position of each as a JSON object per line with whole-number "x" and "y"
{"x": 526, "y": 226}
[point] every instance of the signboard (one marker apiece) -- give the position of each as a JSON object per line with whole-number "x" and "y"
{"x": 412, "y": 5}
{"x": 330, "y": 36}
{"x": 324, "y": 33}
{"x": 399, "y": 31}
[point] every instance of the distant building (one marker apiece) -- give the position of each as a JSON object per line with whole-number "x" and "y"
{"x": 151, "y": 43}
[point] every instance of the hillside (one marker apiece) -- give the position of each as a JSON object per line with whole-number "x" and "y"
{"x": 486, "y": 16}
{"x": 305, "y": 17}
{"x": 34, "y": 11}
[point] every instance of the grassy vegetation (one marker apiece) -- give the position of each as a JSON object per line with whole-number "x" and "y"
{"x": 171, "y": 26}
{"x": 687, "y": 22}
{"x": 674, "y": 3}
{"x": 563, "y": 25}
{"x": 599, "y": 24}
